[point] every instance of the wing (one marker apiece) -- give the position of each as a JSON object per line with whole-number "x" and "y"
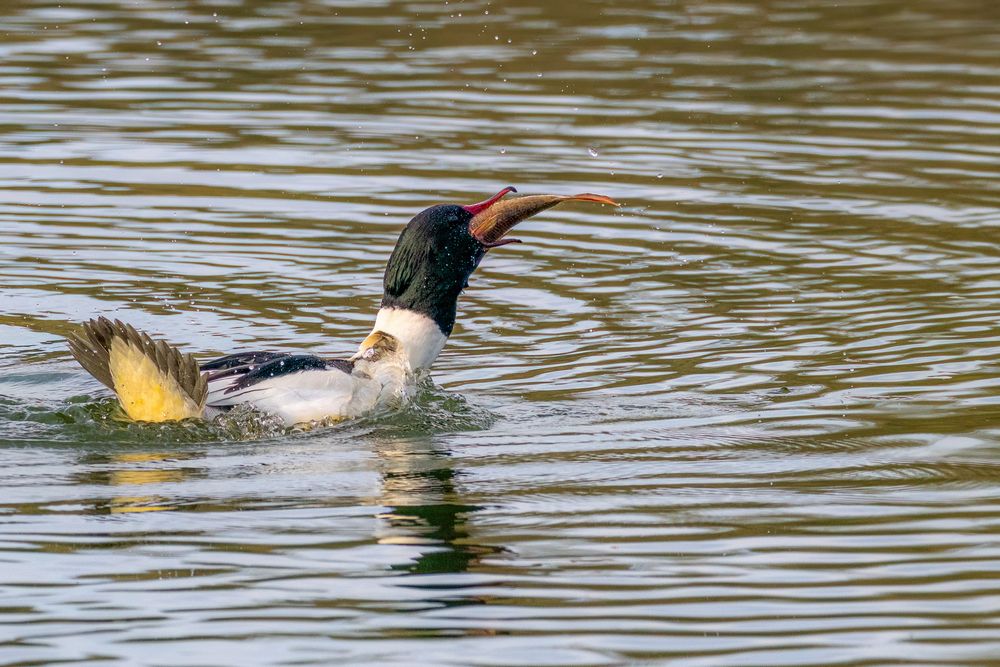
{"x": 241, "y": 360}
{"x": 296, "y": 387}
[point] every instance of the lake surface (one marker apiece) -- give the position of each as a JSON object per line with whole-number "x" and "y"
{"x": 751, "y": 417}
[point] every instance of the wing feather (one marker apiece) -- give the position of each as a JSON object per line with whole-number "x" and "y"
{"x": 298, "y": 388}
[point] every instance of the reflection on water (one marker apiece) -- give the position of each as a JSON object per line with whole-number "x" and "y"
{"x": 750, "y": 417}
{"x": 423, "y": 507}
{"x": 132, "y": 471}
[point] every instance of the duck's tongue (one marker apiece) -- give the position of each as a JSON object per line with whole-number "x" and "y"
{"x": 494, "y": 217}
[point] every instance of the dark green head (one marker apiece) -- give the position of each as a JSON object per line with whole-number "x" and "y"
{"x": 431, "y": 264}
{"x": 441, "y": 247}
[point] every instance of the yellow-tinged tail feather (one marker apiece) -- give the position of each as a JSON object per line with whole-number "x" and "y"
{"x": 154, "y": 382}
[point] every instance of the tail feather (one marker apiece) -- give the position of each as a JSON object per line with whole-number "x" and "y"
{"x": 92, "y": 348}
{"x": 153, "y": 380}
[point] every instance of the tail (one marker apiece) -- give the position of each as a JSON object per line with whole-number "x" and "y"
{"x": 154, "y": 382}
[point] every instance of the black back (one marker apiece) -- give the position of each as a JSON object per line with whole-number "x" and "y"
{"x": 248, "y": 368}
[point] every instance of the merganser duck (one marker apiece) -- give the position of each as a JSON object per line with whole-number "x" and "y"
{"x": 429, "y": 267}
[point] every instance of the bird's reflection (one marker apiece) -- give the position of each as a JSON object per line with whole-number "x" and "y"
{"x": 132, "y": 469}
{"x": 420, "y": 494}
{"x": 424, "y": 509}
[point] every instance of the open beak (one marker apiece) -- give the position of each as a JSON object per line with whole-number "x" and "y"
{"x": 493, "y": 218}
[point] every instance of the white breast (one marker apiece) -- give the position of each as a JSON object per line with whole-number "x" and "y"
{"x": 420, "y": 336}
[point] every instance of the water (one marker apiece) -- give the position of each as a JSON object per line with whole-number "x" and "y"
{"x": 752, "y": 417}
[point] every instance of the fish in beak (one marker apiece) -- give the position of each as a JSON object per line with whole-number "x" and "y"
{"x": 494, "y": 217}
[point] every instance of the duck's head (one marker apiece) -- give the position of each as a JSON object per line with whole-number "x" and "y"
{"x": 435, "y": 255}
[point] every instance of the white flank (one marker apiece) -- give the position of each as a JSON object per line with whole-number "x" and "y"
{"x": 301, "y": 397}
{"x": 322, "y": 394}
{"x": 419, "y": 335}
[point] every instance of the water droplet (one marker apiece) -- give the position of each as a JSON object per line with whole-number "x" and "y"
{"x": 503, "y": 151}
{"x": 659, "y": 175}
{"x": 534, "y": 52}
{"x": 593, "y": 151}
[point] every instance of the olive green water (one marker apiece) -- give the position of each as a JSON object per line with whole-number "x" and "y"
{"x": 752, "y": 417}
